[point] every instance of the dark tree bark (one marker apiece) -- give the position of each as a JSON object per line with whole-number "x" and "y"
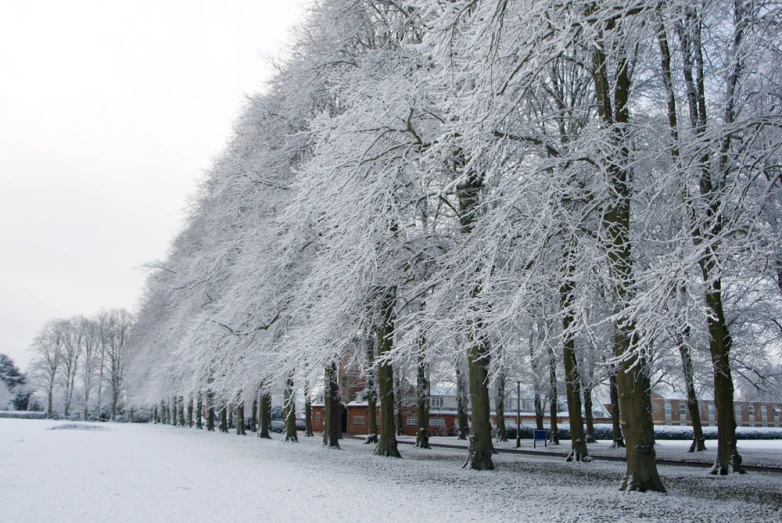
{"x": 698, "y": 441}
{"x": 265, "y": 414}
{"x": 398, "y": 406}
{"x": 223, "y": 425}
{"x": 182, "y": 411}
{"x": 590, "y": 420}
{"x": 481, "y": 447}
{"x": 332, "y": 424}
{"x": 461, "y": 405}
{"x": 619, "y": 440}
{"x": 155, "y": 416}
{"x": 210, "y": 411}
{"x": 199, "y": 411}
{"x": 307, "y": 412}
{"x": 632, "y": 370}
{"x": 372, "y": 437}
{"x": 422, "y": 400}
{"x": 578, "y": 446}
{"x": 254, "y": 415}
{"x": 707, "y": 231}
{"x": 386, "y": 445}
{"x": 540, "y": 411}
{"x": 240, "y": 415}
{"x": 502, "y": 433}
{"x": 289, "y": 406}
{"x": 553, "y": 404}
{"x": 190, "y": 411}
{"x": 174, "y": 411}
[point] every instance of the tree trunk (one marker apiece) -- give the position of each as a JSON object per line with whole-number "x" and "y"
{"x": 49, "y": 398}
{"x": 422, "y": 400}
{"x": 289, "y": 406}
{"x": 578, "y": 446}
{"x": 632, "y": 371}
{"x": 240, "y": 418}
{"x": 386, "y": 445}
{"x": 698, "y": 440}
{"x": 190, "y": 411}
{"x": 254, "y": 415}
{"x": 210, "y": 411}
{"x": 553, "y": 404}
{"x": 502, "y": 434}
{"x": 540, "y": 411}
{"x": 590, "y": 421}
{"x": 155, "y": 416}
{"x": 706, "y": 232}
{"x": 461, "y": 405}
{"x": 223, "y": 426}
{"x": 481, "y": 448}
{"x": 619, "y": 440}
{"x": 199, "y": 411}
{"x": 174, "y": 411}
{"x": 86, "y": 403}
{"x": 307, "y": 412}
{"x": 181, "y": 411}
{"x": 398, "y": 406}
{"x": 114, "y": 401}
{"x": 264, "y": 415}
{"x": 332, "y": 425}
{"x": 371, "y": 394}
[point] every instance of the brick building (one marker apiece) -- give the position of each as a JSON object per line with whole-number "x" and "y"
{"x": 672, "y": 410}
{"x": 442, "y": 412}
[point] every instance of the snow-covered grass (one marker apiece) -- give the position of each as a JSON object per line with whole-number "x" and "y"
{"x": 754, "y": 452}
{"x": 79, "y": 426}
{"x": 161, "y": 473}
{"x": 22, "y": 414}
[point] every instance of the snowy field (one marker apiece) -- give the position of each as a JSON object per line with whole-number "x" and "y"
{"x": 152, "y": 473}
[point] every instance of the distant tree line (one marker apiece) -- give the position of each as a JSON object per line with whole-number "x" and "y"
{"x": 78, "y": 364}
{"x": 15, "y": 390}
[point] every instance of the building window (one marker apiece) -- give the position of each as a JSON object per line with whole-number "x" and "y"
{"x": 682, "y": 410}
{"x": 751, "y": 411}
{"x": 437, "y": 422}
{"x": 317, "y": 417}
{"x": 359, "y": 420}
{"x": 763, "y": 412}
{"x": 711, "y": 411}
{"x": 437, "y": 402}
{"x": 738, "y": 411}
{"x": 667, "y": 408}
{"x": 413, "y": 422}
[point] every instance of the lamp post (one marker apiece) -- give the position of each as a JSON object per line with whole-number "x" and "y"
{"x": 518, "y": 414}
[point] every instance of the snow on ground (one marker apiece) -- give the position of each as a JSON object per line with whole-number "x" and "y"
{"x": 160, "y": 473}
{"x": 766, "y": 453}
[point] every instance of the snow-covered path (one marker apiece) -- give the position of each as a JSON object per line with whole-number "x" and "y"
{"x": 155, "y": 473}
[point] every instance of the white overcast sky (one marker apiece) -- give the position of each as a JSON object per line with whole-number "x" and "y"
{"x": 110, "y": 111}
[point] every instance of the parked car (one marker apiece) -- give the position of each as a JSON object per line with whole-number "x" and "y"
{"x": 300, "y": 424}
{"x": 278, "y": 426}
